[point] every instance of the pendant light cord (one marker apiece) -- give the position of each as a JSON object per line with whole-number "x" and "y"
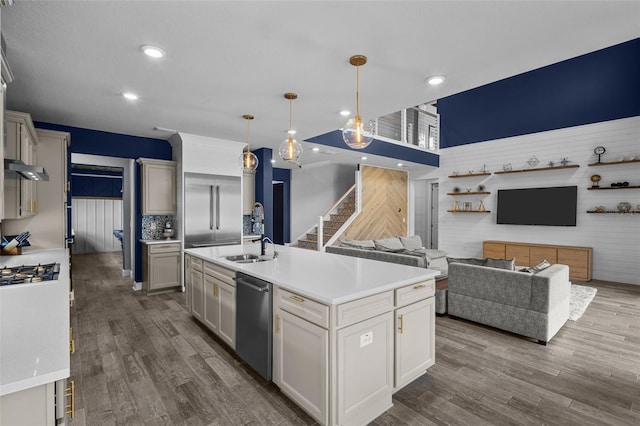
{"x": 358, "y": 91}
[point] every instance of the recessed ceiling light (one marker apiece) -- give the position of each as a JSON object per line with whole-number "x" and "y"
{"x": 434, "y": 80}
{"x": 130, "y": 96}
{"x": 400, "y": 164}
{"x": 363, "y": 158}
{"x": 152, "y": 51}
{"x": 315, "y": 149}
{"x": 345, "y": 113}
{"x": 273, "y": 161}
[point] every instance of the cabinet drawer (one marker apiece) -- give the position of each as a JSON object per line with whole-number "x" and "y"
{"x": 362, "y": 309}
{"x": 415, "y": 292}
{"x": 196, "y": 263}
{"x": 219, "y": 272}
{"x": 164, "y": 248}
{"x": 494, "y": 250}
{"x": 303, "y": 307}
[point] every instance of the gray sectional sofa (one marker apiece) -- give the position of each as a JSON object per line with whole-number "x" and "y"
{"x": 535, "y": 305}
{"x": 403, "y": 250}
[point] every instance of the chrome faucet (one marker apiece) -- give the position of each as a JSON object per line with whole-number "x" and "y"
{"x": 263, "y": 246}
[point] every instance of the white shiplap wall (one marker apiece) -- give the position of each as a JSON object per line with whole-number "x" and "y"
{"x": 615, "y": 238}
{"x": 94, "y": 220}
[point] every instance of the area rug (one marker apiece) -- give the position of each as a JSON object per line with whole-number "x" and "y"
{"x": 581, "y": 296}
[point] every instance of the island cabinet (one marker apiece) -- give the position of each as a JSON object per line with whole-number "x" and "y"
{"x": 195, "y": 286}
{"x": 341, "y": 363}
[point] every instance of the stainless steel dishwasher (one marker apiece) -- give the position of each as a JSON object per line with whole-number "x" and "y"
{"x": 253, "y": 322}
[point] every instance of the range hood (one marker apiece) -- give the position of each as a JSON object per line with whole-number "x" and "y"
{"x": 15, "y": 168}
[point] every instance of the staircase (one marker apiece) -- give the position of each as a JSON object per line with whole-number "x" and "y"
{"x": 345, "y": 209}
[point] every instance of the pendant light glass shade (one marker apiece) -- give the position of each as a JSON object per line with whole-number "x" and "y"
{"x": 290, "y": 149}
{"x": 248, "y": 160}
{"x": 357, "y": 133}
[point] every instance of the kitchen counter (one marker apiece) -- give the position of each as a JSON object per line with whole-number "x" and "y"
{"x": 325, "y": 277}
{"x": 163, "y": 241}
{"x": 34, "y": 325}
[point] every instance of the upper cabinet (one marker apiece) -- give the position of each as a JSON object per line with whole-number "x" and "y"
{"x": 158, "y": 186}
{"x": 20, "y": 196}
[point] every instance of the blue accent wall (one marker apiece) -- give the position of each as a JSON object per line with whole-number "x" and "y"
{"x": 264, "y": 187}
{"x": 599, "y": 86}
{"x": 284, "y": 210}
{"x": 95, "y": 142}
{"x": 378, "y": 147}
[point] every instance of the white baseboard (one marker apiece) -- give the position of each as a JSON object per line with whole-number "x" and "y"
{"x": 126, "y": 272}
{"x": 137, "y": 286}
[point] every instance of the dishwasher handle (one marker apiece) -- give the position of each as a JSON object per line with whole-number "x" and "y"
{"x": 251, "y": 285}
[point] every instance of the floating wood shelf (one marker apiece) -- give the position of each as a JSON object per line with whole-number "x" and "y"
{"x": 469, "y": 211}
{"x": 468, "y": 193}
{"x": 610, "y": 163}
{"x": 470, "y": 175}
{"x": 598, "y": 188}
{"x": 614, "y": 212}
{"x": 539, "y": 169}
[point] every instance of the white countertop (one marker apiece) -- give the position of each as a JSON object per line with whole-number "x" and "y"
{"x": 34, "y": 325}
{"x": 325, "y": 277}
{"x": 163, "y": 241}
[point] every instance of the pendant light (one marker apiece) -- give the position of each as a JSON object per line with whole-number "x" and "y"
{"x": 290, "y": 149}
{"x": 248, "y": 160}
{"x": 357, "y": 133}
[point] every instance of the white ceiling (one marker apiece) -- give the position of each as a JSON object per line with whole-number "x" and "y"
{"x": 72, "y": 60}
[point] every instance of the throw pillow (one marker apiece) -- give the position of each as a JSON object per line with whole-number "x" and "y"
{"x": 509, "y": 265}
{"x": 389, "y": 244}
{"x": 540, "y": 266}
{"x": 359, "y": 244}
{"x": 467, "y": 260}
{"x": 411, "y": 243}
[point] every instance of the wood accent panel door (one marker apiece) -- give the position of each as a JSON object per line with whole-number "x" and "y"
{"x": 384, "y": 205}
{"x": 518, "y": 252}
{"x": 537, "y": 254}
{"x": 493, "y": 250}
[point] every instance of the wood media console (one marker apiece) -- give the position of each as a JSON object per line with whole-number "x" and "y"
{"x": 579, "y": 259}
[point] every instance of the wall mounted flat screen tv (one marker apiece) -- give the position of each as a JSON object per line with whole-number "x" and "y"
{"x": 554, "y": 206}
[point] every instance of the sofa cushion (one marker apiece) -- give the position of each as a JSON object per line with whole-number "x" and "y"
{"x": 389, "y": 244}
{"x": 466, "y": 261}
{"x": 360, "y": 244}
{"x": 432, "y": 254}
{"x": 509, "y": 265}
{"x": 412, "y": 243}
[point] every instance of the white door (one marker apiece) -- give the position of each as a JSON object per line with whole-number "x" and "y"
{"x": 433, "y": 215}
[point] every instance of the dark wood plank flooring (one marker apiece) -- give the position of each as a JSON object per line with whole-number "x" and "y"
{"x": 143, "y": 360}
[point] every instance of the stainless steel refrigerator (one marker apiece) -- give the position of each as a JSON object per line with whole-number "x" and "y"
{"x": 212, "y": 210}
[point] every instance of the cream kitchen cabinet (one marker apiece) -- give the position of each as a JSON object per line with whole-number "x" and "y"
{"x": 248, "y": 191}
{"x": 219, "y": 302}
{"x": 20, "y": 197}
{"x": 195, "y": 286}
{"x": 159, "y": 183}
{"x": 160, "y": 266}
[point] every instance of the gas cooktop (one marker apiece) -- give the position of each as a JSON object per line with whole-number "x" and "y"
{"x": 29, "y": 274}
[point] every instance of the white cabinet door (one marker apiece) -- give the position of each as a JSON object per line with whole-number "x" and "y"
{"x": 197, "y": 294}
{"x": 415, "y": 340}
{"x": 164, "y": 270}
{"x": 364, "y": 364}
{"x": 300, "y": 363}
{"x": 188, "y": 290}
{"x": 211, "y": 316}
{"x": 158, "y": 187}
{"x": 227, "y": 310}
{"x": 33, "y": 406}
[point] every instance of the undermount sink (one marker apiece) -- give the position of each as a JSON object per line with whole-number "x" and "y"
{"x": 247, "y": 258}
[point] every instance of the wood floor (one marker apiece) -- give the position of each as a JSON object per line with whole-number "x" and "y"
{"x": 142, "y": 360}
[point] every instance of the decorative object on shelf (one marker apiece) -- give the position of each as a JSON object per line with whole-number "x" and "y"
{"x": 624, "y": 207}
{"x": 533, "y": 161}
{"x": 507, "y": 167}
{"x": 599, "y": 150}
{"x": 551, "y": 164}
{"x": 456, "y": 206}
{"x": 357, "y": 134}
{"x": 467, "y": 206}
{"x": 600, "y": 209}
{"x": 468, "y": 189}
{"x": 248, "y": 160}
{"x": 620, "y": 184}
{"x": 455, "y": 173}
{"x": 290, "y": 149}
{"x": 456, "y": 189}
{"x": 484, "y": 168}
{"x": 481, "y": 188}
{"x": 595, "y": 179}
{"x": 564, "y": 162}
{"x": 481, "y": 206}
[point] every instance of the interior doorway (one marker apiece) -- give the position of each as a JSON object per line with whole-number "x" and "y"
{"x": 425, "y": 201}
{"x": 278, "y": 216}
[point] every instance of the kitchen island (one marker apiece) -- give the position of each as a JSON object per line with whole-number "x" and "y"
{"x": 347, "y": 332}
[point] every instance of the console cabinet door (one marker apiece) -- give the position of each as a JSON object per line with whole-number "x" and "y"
{"x": 197, "y": 294}
{"x": 300, "y": 363}
{"x": 415, "y": 340}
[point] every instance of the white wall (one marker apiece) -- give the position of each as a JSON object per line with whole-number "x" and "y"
{"x": 615, "y": 238}
{"x": 314, "y": 189}
{"x": 94, "y": 220}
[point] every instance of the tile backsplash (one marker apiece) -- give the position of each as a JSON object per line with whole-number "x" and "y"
{"x": 148, "y": 222}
